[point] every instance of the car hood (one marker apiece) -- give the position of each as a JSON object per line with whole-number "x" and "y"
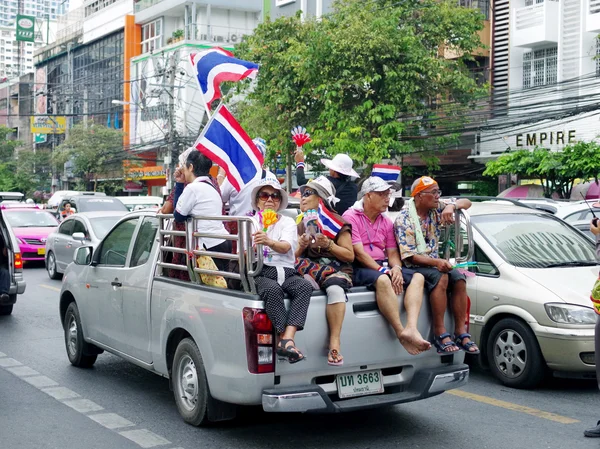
{"x": 571, "y": 284}
{"x": 34, "y": 233}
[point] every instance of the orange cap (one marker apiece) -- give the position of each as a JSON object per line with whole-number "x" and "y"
{"x": 424, "y": 182}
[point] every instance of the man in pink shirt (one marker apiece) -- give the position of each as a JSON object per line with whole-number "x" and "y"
{"x": 375, "y": 246}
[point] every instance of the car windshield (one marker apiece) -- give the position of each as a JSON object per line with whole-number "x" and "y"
{"x": 535, "y": 241}
{"x": 30, "y": 218}
{"x": 99, "y": 204}
{"x": 101, "y": 226}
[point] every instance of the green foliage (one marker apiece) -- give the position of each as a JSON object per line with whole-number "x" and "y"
{"x": 361, "y": 79}
{"x": 7, "y": 147}
{"x": 484, "y": 188}
{"x": 556, "y": 170}
{"x": 94, "y": 151}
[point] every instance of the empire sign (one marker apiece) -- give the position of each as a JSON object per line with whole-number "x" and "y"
{"x": 545, "y": 138}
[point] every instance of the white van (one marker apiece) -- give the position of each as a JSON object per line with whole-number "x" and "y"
{"x": 141, "y": 202}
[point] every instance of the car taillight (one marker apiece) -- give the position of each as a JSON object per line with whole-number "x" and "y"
{"x": 260, "y": 342}
{"x": 18, "y": 261}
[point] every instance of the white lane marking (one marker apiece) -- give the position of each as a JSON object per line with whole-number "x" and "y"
{"x": 40, "y": 381}
{"x": 83, "y": 405}
{"x": 111, "y": 420}
{"x": 144, "y": 438}
{"x": 2, "y": 354}
{"x": 22, "y": 371}
{"x": 60, "y": 393}
{"x": 50, "y": 287}
{"x": 6, "y": 362}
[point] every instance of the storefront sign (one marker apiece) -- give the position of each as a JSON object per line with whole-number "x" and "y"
{"x": 25, "y": 28}
{"x": 45, "y": 124}
{"x": 131, "y": 186}
{"x": 545, "y": 138}
{"x": 155, "y": 172}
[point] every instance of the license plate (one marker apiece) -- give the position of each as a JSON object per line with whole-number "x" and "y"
{"x": 359, "y": 384}
{"x": 41, "y": 251}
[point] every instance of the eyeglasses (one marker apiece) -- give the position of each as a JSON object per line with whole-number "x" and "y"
{"x": 437, "y": 193}
{"x": 306, "y": 193}
{"x": 384, "y": 194}
{"x": 264, "y": 196}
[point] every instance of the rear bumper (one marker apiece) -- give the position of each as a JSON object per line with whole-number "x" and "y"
{"x": 312, "y": 398}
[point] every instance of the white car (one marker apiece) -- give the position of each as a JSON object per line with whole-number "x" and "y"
{"x": 134, "y": 203}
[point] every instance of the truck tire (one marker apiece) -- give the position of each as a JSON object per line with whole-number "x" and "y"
{"x": 190, "y": 386}
{"x": 51, "y": 266}
{"x": 514, "y": 354}
{"x": 6, "y": 310}
{"x": 80, "y": 353}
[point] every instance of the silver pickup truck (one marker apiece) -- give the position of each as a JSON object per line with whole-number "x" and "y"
{"x": 217, "y": 346}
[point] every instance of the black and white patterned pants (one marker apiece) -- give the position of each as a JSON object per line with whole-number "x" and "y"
{"x": 272, "y": 293}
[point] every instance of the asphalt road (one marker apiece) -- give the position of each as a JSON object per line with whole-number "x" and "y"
{"x": 47, "y": 403}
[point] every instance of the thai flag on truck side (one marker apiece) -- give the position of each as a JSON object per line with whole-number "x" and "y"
{"x": 216, "y": 65}
{"x": 386, "y": 172}
{"x": 329, "y": 224}
{"x": 226, "y": 143}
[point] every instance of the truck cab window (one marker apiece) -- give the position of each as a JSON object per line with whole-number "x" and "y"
{"x": 144, "y": 241}
{"x": 116, "y": 245}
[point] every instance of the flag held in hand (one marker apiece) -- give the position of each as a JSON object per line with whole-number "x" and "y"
{"x": 329, "y": 224}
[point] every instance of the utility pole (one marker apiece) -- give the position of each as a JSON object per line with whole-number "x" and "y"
{"x": 170, "y": 150}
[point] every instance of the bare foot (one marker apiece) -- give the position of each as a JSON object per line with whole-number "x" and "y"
{"x": 413, "y": 342}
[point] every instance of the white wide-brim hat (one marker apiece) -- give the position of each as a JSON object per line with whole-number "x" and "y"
{"x": 341, "y": 163}
{"x": 272, "y": 182}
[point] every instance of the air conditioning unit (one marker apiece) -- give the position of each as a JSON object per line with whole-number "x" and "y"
{"x": 218, "y": 39}
{"x": 204, "y": 37}
{"x": 233, "y": 38}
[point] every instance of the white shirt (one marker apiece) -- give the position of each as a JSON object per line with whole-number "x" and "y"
{"x": 201, "y": 198}
{"x": 285, "y": 230}
{"x": 240, "y": 203}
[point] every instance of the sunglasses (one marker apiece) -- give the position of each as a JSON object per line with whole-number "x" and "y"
{"x": 264, "y": 196}
{"x": 306, "y": 193}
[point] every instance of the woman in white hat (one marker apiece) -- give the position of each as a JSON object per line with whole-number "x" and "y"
{"x": 278, "y": 275}
{"x": 340, "y": 174}
{"x": 327, "y": 261}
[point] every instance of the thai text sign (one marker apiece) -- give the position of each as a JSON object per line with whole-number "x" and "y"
{"x": 155, "y": 172}
{"x": 44, "y": 124}
{"x": 25, "y": 28}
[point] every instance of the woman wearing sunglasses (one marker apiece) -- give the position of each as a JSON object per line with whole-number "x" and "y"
{"x": 327, "y": 261}
{"x": 278, "y": 275}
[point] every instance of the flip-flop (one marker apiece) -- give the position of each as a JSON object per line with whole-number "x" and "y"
{"x": 335, "y": 355}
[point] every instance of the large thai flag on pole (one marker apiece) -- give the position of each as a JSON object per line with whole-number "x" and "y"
{"x": 386, "y": 172}
{"x": 226, "y": 143}
{"x": 329, "y": 224}
{"x": 216, "y": 65}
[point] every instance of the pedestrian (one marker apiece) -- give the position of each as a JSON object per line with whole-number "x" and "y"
{"x": 595, "y": 229}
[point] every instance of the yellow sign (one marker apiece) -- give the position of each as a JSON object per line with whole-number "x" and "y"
{"x": 155, "y": 172}
{"x": 45, "y": 124}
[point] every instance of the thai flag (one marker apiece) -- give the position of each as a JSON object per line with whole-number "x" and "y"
{"x": 329, "y": 224}
{"x": 226, "y": 143}
{"x": 386, "y": 172}
{"x": 216, "y": 65}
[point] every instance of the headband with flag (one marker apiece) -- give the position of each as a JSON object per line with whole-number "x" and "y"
{"x": 329, "y": 224}
{"x": 386, "y": 172}
{"x": 216, "y": 65}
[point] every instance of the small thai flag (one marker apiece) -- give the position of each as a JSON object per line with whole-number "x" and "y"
{"x": 386, "y": 172}
{"x": 226, "y": 143}
{"x": 329, "y": 224}
{"x": 216, "y": 65}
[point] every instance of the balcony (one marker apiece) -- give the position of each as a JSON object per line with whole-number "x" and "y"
{"x": 592, "y": 17}
{"x": 536, "y": 25}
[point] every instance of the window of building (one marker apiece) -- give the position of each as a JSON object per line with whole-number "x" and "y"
{"x": 540, "y": 67}
{"x": 533, "y": 2}
{"x": 5, "y": 33}
{"x": 283, "y": 2}
{"x": 597, "y": 56}
{"x": 152, "y": 36}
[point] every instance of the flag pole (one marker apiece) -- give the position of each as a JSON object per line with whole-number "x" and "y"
{"x": 207, "y": 125}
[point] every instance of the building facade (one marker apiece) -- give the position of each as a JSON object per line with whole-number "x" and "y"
{"x": 288, "y": 8}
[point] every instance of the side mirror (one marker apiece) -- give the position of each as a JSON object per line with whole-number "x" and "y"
{"x": 78, "y": 236}
{"x": 83, "y": 255}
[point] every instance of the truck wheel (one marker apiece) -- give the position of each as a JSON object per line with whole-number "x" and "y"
{"x": 51, "y": 266}
{"x": 189, "y": 383}
{"x": 514, "y": 354}
{"x": 80, "y": 353}
{"x": 6, "y": 310}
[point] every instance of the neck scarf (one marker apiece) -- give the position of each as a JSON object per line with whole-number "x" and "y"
{"x": 416, "y": 222}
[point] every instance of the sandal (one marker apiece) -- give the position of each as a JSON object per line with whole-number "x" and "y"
{"x": 467, "y": 346}
{"x": 291, "y": 353}
{"x": 334, "y": 358}
{"x": 441, "y": 347}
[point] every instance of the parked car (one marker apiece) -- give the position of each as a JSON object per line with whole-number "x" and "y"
{"x": 93, "y": 203}
{"x": 32, "y": 227}
{"x": 57, "y": 197}
{"x": 134, "y": 203}
{"x": 579, "y": 214}
{"x": 14, "y": 262}
{"x": 529, "y": 290}
{"x": 84, "y": 228}
{"x": 217, "y": 346}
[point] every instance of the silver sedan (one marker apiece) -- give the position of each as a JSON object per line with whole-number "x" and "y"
{"x": 84, "y": 228}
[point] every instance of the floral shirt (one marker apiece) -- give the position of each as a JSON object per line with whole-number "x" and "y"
{"x": 405, "y": 234}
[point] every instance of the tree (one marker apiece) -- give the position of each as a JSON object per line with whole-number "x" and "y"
{"x": 557, "y": 171}
{"x": 362, "y": 79}
{"x": 7, "y": 147}
{"x": 94, "y": 150}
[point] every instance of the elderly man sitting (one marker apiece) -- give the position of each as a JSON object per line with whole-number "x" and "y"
{"x": 374, "y": 245}
{"x": 418, "y": 230}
